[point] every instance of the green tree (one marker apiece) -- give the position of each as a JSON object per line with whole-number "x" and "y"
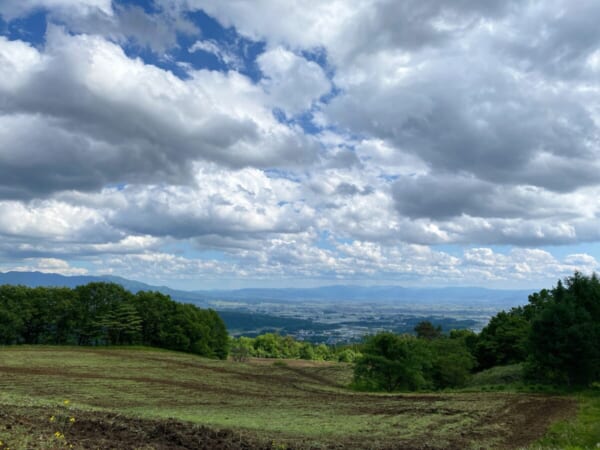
{"x": 391, "y": 362}
{"x": 426, "y": 330}
{"x": 95, "y": 301}
{"x": 468, "y": 337}
{"x": 564, "y": 341}
{"x": 267, "y": 346}
{"x": 121, "y": 325}
{"x": 347, "y": 355}
{"x": 106, "y": 313}
{"x": 307, "y": 351}
{"x": 451, "y": 363}
{"x": 503, "y": 340}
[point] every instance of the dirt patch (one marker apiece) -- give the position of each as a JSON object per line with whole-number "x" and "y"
{"x": 289, "y": 362}
{"x": 520, "y": 420}
{"x": 94, "y": 430}
{"x": 528, "y": 417}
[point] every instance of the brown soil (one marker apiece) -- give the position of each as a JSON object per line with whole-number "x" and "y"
{"x": 290, "y": 362}
{"x": 95, "y": 430}
{"x": 519, "y": 423}
{"x": 523, "y": 420}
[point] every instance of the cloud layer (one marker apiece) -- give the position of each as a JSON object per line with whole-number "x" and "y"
{"x": 417, "y": 142}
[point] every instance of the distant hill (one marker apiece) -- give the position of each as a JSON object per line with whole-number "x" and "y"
{"x": 465, "y": 296}
{"x": 35, "y": 279}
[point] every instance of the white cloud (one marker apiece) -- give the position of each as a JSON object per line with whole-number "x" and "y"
{"x": 52, "y": 220}
{"x": 46, "y": 265}
{"x": 116, "y": 119}
{"x": 11, "y": 9}
{"x": 224, "y": 55}
{"x": 437, "y": 123}
{"x": 243, "y": 204}
{"x": 292, "y": 82}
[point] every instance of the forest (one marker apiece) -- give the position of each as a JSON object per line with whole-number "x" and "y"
{"x": 107, "y": 314}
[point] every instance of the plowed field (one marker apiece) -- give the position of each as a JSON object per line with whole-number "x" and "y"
{"x": 136, "y": 398}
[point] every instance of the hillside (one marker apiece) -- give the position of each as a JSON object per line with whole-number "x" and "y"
{"x": 157, "y": 398}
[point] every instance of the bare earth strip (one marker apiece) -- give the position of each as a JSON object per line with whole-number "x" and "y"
{"x": 154, "y": 399}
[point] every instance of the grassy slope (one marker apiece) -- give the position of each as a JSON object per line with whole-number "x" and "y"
{"x": 296, "y": 403}
{"x": 580, "y": 432}
{"x": 575, "y": 433}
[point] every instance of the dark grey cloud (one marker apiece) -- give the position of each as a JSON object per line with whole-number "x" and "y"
{"x": 132, "y": 24}
{"x": 413, "y": 24}
{"x": 14, "y": 9}
{"x": 554, "y": 38}
{"x": 342, "y": 159}
{"x": 122, "y": 23}
{"x": 85, "y": 115}
{"x": 350, "y": 189}
{"x": 445, "y": 196}
{"x": 481, "y": 121}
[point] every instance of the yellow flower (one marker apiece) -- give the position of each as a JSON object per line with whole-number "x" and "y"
{"x": 52, "y": 418}
{"x": 59, "y": 435}
{"x": 72, "y": 419}
{"x": 66, "y": 402}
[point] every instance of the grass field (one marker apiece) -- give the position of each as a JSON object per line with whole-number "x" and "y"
{"x": 143, "y": 398}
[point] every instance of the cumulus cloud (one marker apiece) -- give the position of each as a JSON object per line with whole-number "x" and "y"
{"x": 292, "y": 82}
{"x": 11, "y": 9}
{"x": 552, "y": 40}
{"x": 339, "y": 142}
{"x": 349, "y": 32}
{"x": 126, "y": 24}
{"x": 243, "y": 204}
{"x": 86, "y": 115}
{"x": 45, "y": 265}
{"x": 444, "y": 196}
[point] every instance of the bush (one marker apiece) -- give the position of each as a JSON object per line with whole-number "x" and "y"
{"x": 507, "y": 375}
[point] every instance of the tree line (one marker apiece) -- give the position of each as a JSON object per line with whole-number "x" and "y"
{"x": 555, "y": 337}
{"x": 272, "y": 345}
{"x": 107, "y": 314}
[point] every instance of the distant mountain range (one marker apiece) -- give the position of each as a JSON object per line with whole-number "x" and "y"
{"x": 465, "y": 296}
{"x": 386, "y": 294}
{"x": 35, "y": 279}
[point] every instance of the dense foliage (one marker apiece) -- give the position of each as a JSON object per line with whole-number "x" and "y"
{"x": 557, "y": 334}
{"x": 402, "y": 362}
{"x": 555, "y": 338}
{"x": 272, "y": 345}
{"x": 564, "y": 341}
{"x": 503, "y": 340}
{"x": 107, "y": 314}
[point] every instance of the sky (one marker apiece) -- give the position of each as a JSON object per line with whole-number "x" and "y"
{"x": 225, "y": 144}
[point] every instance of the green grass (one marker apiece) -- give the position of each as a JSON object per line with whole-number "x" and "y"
{"x": 288, "y": 402}
{"x": 580, "y": 432}
{"x": 498, "y": 376}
